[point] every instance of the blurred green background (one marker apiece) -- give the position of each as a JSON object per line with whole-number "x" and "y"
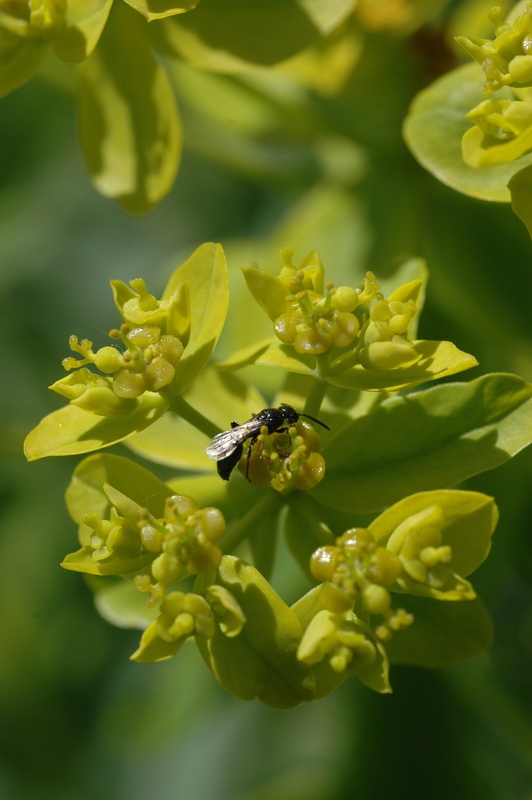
{"x": 266, "y": 164}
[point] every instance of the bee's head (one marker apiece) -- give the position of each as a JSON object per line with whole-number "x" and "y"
{"x": 289, "y": 414}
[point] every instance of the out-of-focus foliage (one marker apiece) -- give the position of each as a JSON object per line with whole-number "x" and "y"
{"x": 491, "y": 159}
{"x": 318, "y": 168}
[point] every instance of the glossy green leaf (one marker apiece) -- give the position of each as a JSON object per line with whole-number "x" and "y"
{"x": 220, "y": 397}
{"x": 158, "y": 9}
{"x": 206, "y": 274}
{"x": 520, "y": 186}
{"x": 85, "y": 492}
{"x": 84, "y": 23}
{"x": 434, "y": 128}
{"x": 438, "y": 360}
{"x": 71, "y": 430}
{"x": 469, "y": 519}
{"x": 442, "y": 634}
{"x": 121, "y": 604}
{"x": 129, "y": 127}
{"x": 431, "y": 439}
{"x": 261, "y": 661}
{"x": 19, "y": 60}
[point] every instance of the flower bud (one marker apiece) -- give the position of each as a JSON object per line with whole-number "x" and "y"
{"x": 344, "y": 298}
{"x": 323, "y": 562}
{"x": 335, "y": 599}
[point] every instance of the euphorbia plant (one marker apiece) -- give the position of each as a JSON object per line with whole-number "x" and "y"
{"x": 365, "y": 504}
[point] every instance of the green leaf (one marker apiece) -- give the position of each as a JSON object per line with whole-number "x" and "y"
{"x": 434, "y": 128}
{"x": 263, "y": 542}
{"x": 426, "y": 440}
{"x": 71, "y": 430}
{"x": 206, "y": 274}
{"x": 227, "y": 36}
{"x": 84, "y": 23}
{"x": 152, "y": 648}
{"x": 442, "y": 634}
{"x": 85, "y": 492}
{"x": 269, "y": 292}
{"x": 158, "y": 9}
{"x": 220, "y": 397}
{"x": 121, "y": 604}
{"x": 469, "y": 519}
{"x": 129, "y": 127}
{"x": 246, "y": 355}
{"x": 305, "y": 531}
{"x": 261, "y": 661}
{"x": 328, "y": 14}
{"x": 283, "y": 356}
{"x": 82, "y": 561}
{"x": 438, "y": 360}
{"x": 520, "y": 186}
{"x": 19, "y": 60}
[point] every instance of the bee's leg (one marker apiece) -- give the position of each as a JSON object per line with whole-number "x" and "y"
{"x": 248, "y": 456}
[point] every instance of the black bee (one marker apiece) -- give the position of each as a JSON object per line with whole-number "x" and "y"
{"x": 226, "y": 448}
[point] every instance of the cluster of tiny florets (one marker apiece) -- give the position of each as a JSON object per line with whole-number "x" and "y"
{"x": 354, "y": 570}
{"x": 285, "y": 459}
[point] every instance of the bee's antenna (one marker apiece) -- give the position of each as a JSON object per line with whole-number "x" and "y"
{"x": 323, "y": 425}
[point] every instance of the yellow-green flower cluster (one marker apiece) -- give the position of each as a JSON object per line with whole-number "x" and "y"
{"x": 341, "y": 640}
{"x": 184, "y": 541}
{"x": 315, "y": 323}
{"x": 151, "y": 349}
{"x": 503, "y": 126}
{"x": 286, "y": 459}
{"x": 36, "y": 19}
{"x": 425, "y": 561}
{"x": 189, "y": 614}
{"x": 110, "y": 537}
{"x": 356, "y": 569}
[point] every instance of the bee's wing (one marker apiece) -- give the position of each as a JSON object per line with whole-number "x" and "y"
{"x": 226, "y": 443}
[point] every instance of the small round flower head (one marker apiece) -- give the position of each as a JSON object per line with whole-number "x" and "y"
{"x": 147, "y": 363}
{"x": 354, "y": 570}
{"x": 314, "y": 324}
{"x": 286, "y": 459}
{"x": 386, "y": 336}
{"x": 184, "y": 539}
